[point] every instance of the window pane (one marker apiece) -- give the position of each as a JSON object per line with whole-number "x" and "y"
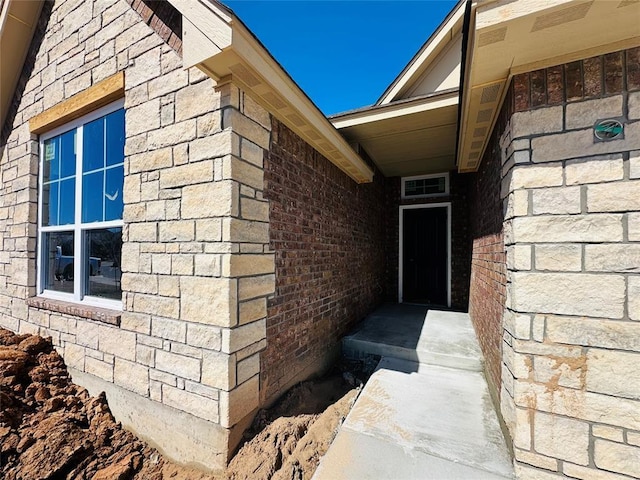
{"x": 51, "y": 159}
{"x": 93, "y": 145}
{"x": 67, "y": 201}
{"x": 68, "y": 154}
{"x": 92, "y": 194}
{"x": 113, "y": 193}
{"x": 115, "y": 138}
{"x": 59, "y": 256}
{"x": 425, "y": 186}
{"x": 103, "y": 267}
{"x": 50, "y": 204}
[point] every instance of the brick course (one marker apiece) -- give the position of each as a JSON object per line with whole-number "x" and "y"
{"x": 328, "y": 234}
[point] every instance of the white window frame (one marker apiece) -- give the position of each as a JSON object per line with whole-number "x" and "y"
{"x": 422, "y": 177}
{"x": 78, "y": 227}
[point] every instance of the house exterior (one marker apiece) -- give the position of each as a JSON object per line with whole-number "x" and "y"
{"x": 196, "y": 236}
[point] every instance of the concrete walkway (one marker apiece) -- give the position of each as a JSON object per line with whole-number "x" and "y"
{"x": 425, "y": 413}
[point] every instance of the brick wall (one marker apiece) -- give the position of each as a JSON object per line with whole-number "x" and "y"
{"x": 328, "y": 235}
{"x": 487, "y": 290}
{"x": 460, "y": 240}
{"x": 571, "y": 389}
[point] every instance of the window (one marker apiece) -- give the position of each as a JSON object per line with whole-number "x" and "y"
{"x": 425, "y": 186}
{"x": 80, "y": 211}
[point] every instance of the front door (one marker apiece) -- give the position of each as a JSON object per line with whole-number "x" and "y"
{"x": 424, "y": 255}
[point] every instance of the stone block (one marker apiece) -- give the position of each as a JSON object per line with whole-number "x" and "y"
{"x": 568, "y": 228}
{"x": 209, "y": 124}
{"x": 525, "y": 472}
{"x": 522, "y": 429}
{"x": 617, "y": 458}
{"x": 612, "y": 257}
{"x": 203, "y": 390}
{"x": 245, "y": 173}
{"x": 117, "y": 342}
{"x": 161, "y": 263}
{"x": 143, "y": 118}
{"x": 536, "y": 177}
{"x": 167, "y": 83}
{"x": 145, "y": 355}
{"x": 212, "y": 199}
{"x": 143, "y": 232}
{"x": 132, "y": 376}
{"x": 248, "y": 367}
{"x": 99, "y": 368}
{"x": 251, "y": 152}
{"x": 252, "y": 310}
{"x": 180, "y": 365}
{"x": 245, "y": 127}
{"x": 239, "y": 402}
{"x": 634, "y": 105}
{"x": 251, "y": 209}
{"x": 563, "y": 438}
{"x": 188, "y": 174}
{"x": 559, "y": 257}
{"x": 610, "y": 433}
{"x": 251, "y": 287}
{"x": 633, "y": 438}
{"x": 598, "y": 169}
{"x": 204, "y": 336}
{"x": 579, "y": 143}
{"x": 145, "y": 67}
{"x": 197, "y": 405}
{"x": 218, "y": 370}
{"x": 247, "y": 231}
{"x": 177, "y": 231}
{"x": 633, "y": 297}
{"x": 255, "y": 111}
{"x": 585, "y": 114}
{"x": 634, "y": 164}
{"x": 182, "y": 264}
{"x": 74, "y": 356}
{"x": 168, "y": 329}
{"x": 208, "y": 300}
{"x": 594, "y": 332}
{"x": 140, "y": 283}
{"x": 536, "y": 460}
{"x": 209, "y": 230}
{"x": 214, "y": 146}
{"x": 519, "y": 257}
{"x": 614, "y": 197}
{"x": 195, "y": 100}
{"x": 613, "y": 373}
{"x": 587, "y": 473}
{"x": 151, "y": 161}
{"x": 156, "y": 305}
{"x": 633, "y": 224}
{"x": 565, "y": 371}
{"x": 172, "y": 134}
{"x": 234, "y": 339}
{"x": 569, "y": 294}
{"x": 249, "y": 265}
{"x": 558, "y": 200}
{"x": 535, "y": 122}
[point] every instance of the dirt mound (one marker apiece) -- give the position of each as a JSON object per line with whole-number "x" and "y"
{"x": 52, "y": 429}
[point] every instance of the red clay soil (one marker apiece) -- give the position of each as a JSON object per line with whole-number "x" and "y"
{"x": 52, "y": 429}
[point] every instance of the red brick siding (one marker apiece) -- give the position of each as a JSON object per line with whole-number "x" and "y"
{"x": 163, "y": 18}
{"x": 487, "y": 292}
{"x": 328, "y": 235}
{"x": 593, "y": 77}
{"x": 460, "y": 243}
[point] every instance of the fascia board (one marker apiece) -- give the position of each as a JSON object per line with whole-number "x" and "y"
{"x": 239, "y": 47}
{"x": 389, "y": 111}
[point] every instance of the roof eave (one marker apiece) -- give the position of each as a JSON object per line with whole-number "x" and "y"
{"x": 218, "y": 43}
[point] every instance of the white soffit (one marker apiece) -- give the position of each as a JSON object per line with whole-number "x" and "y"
{"x": 18, "y": 20}
{"x": 509, "y": 37}
{"x": 218, "y": 43}
{"x": 408, "y": 137}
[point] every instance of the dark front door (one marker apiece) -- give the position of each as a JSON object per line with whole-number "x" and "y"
{"x": 424, "y": 255}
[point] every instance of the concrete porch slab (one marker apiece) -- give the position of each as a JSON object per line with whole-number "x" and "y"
{"x": 426, "y": 412}
{"x": 416, "y": 334}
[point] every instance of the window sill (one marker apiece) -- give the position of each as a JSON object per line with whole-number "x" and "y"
{"x": 104, "y": 315}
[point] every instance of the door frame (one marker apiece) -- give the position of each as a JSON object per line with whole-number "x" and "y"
{"x": 401, "y": 243}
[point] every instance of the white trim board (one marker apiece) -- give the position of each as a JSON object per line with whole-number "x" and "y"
{"x": 402, "y": 208}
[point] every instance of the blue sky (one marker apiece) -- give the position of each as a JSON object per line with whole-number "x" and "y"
{"x": 343, "y": 54}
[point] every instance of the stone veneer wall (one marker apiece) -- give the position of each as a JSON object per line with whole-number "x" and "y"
{"x": 571, "y": 383}
{"x": 460, "y": 239}
{"x": 328, "y": 235}
{"x": 180, "y": 363}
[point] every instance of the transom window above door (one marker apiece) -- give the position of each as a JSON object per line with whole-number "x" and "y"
{"x": 425, "y": 186}
{"x": 80, "y": 209}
